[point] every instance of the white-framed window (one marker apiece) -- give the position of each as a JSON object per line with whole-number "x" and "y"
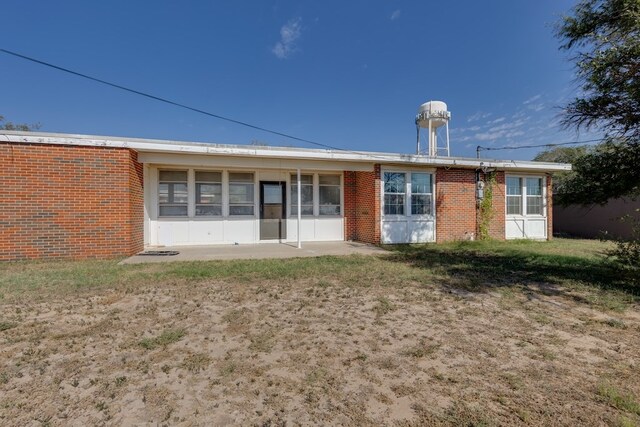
{"x": 408, "y": 193}
{"x": 306, "y": 192}
{"x": 241, "y": 194}
{"x": 329, "y": 195}
{"x": 208, "y": 193}
{"x": 394, "y": 192}
{"x": 173, "y": 197}
{"x": 525, "y": 195}
{"x": 421, "y": 194}
{"x": 514, "y": 195}
{"x": 534, "y": 196}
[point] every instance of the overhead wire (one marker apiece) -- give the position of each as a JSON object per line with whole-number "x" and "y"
{"x": 168, "y": 101}
{"x": 246, "y": 124}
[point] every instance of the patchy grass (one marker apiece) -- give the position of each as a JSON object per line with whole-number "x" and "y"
{"x": 618, "y": 399}
{"x": 383, "y": 306}
{"x": 164, "y": 339}
{"x": 7, "y": 325}
{"x": 474, "y": 333}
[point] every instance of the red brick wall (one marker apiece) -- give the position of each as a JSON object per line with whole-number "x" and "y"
{"x": 456, "y": 208}
{"x": 455, "y": 204}
{"x": 349, "y": 185}
{"x": 362, "y": 205}
{"x": 497, "y": 222}
{"x": 69, "y": 202}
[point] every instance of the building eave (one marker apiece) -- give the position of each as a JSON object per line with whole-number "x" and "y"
{"x": 212, "y": 149}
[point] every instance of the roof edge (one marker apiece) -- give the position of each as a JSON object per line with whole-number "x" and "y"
{"x": 205, "y": 148}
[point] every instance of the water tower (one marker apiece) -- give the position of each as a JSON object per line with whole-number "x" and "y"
{"x": 433, "y": 115}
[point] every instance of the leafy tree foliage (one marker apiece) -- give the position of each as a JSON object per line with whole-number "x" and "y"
{"x": 608, "y": 170}
{"x": 605, "y": 38}
{"x": 562, "y": 155}
{"x": 4, "y": 125}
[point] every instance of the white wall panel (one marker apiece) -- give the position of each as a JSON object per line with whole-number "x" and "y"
{"x": 536, "y": 228}
{"x": 421, "y": 231}
{"x": 394, "y": 232}
{"x": 514, "y": 228}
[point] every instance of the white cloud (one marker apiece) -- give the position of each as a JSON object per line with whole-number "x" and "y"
{"x": 289, "y": 34}
{"x": 532, "y": 99}
{"x": 478, "y": 116}
{"x": 498, "y": 120}
{"x": 395, "y": 15}
{"x": 537, "y": 107}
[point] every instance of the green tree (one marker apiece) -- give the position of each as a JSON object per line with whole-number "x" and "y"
{"x": 604, "y": 38}
{"x": 4, "y": 125}
{"x": 562, "y": 155}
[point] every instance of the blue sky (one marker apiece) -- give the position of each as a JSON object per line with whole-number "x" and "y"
{"x": 349, "y": 74}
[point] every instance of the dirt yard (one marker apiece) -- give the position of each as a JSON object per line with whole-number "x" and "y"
{"x": 410, "y": 339}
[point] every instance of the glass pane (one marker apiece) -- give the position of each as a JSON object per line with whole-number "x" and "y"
{"x": 329, "y": 179}
{"x": 208, "y": 176}
{"x": 307, "y": 194}
{"x": 306, "y": 210}
{"x": 420, "y": 204}
{"x": 330, "y": 210}
{"x": 240, "y": 193}
{"x": 394, "y": 204}
{"x": 394, "y": 182}
{"x": 534, "y": 205}
{"x": 173, "y": 211}
{"x": 208, "y": 193}
{"x": 208, "y": 210}
{"x": 241, "y": 210}
{"x": 172, "y": 193}
{"x": 173, "y": 176}
{"x": 514, "y": 186}
{"x": 240, "y": 177}
{"x": 272, "y": 194}
{"x": 163, "y": 193}
{"x": 329, "y": 195}
{"x": 305, "y": 179}
{"x": 177, "y": 193}
{"x": 420, "y": 183}
{"x": 534, "y": 186}
{"x": 514, "y": 205}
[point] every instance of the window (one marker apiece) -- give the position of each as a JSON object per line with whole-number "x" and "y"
{"x": 306, "y": 192}
{"x": 241, "y": 191}
{"x": 514, "y": 196}
{"x": 329, "y": 194}
{"x": 172, "y": 193}
{"x": 525, "y": 195}
{"x": 394, "y": 193}
{"x": 421, "y": 195}
{"x": 208, "y": 193}
{"x": 534, "y": 196}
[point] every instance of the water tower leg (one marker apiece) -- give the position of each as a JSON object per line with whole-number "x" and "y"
{"x": 447, "y": 126}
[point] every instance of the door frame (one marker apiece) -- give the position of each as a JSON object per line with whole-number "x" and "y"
{"x": 282, "y": 228}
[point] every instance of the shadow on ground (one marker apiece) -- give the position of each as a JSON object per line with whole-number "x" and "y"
{"x": 478, "y": 267}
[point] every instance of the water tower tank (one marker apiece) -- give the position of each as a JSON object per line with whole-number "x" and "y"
{"x": 434, "y": 110}
{"x": 433, "y": 115}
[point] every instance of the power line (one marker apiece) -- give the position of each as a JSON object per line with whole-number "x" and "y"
{"x": 518, "y": 147}
{"x": 168, "y": 101}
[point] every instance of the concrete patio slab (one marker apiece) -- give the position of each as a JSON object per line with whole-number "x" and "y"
{"x": 255, "y": 251}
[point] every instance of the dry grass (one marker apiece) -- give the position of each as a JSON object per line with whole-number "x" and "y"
{"x": 464, "y": 334}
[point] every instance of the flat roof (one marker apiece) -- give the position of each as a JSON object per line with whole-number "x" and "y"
{"x": 213, "y": 149}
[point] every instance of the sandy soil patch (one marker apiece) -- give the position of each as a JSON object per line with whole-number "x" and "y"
{"x": 314, "y": 353}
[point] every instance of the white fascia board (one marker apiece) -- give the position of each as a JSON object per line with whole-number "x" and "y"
{"x": 176, "y": 147}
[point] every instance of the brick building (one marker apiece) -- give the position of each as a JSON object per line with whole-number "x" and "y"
{"x": 79, "y": 196}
